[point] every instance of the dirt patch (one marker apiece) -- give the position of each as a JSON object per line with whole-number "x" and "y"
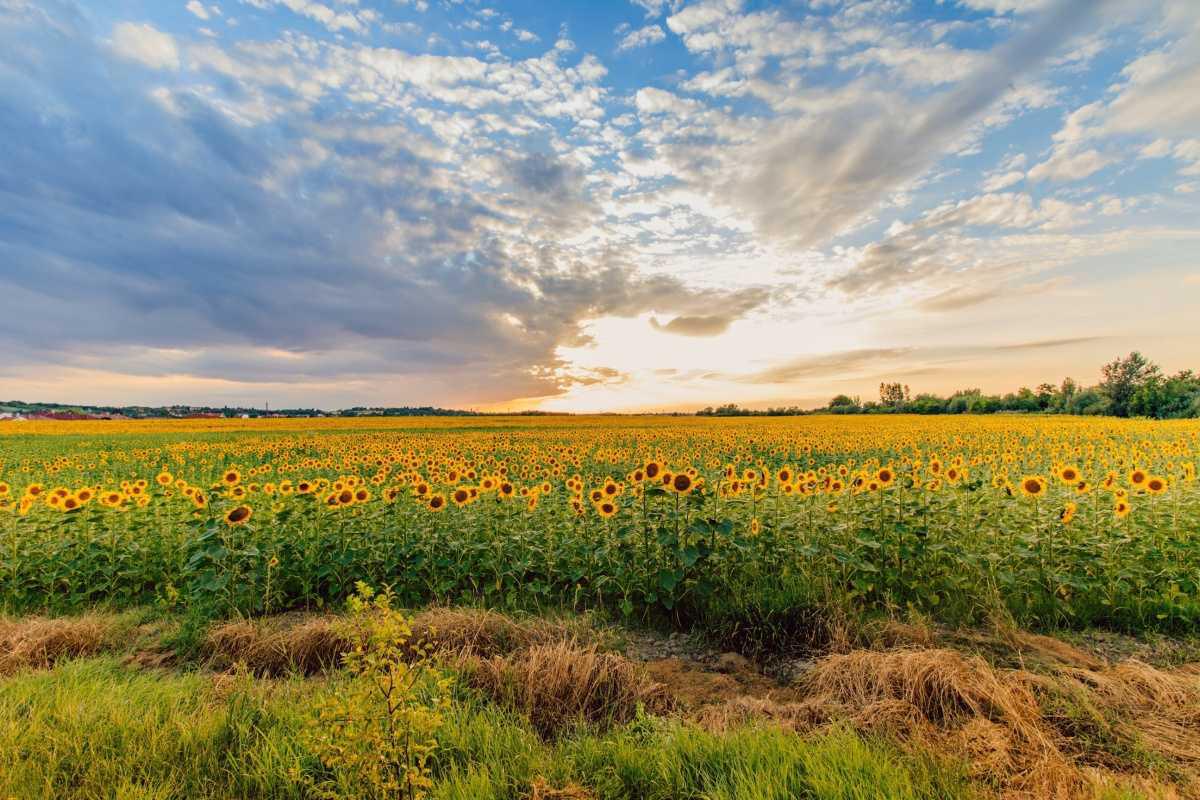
{"x": 694, "y": 684}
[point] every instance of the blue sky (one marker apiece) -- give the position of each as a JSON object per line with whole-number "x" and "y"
{"x": 591, "y": 205}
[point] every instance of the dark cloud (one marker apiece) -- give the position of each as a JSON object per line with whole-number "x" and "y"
{"x": 144, "y": 231}
{"x": 711, "y": 325}
{"x": 735, "y": 306}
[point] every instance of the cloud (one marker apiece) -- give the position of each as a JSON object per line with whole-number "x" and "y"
{"x": 1065, "y": 165}
{"x": 1003, "y": 180}
{"x": 171, "y": 238}
{"x": 824, "y": 366}
{"x": 959, "y": 297}
{"x": 642, "y": 37}
{"x": 197, "y": 9}
{"x": 145, "y": 43}
{"x": 806, "y": 179}
{"x": 324, "y": 15}
{"x": 1043, "y": 344}
{"x": 734, "y": 307}
{"x": 940, "y": 247}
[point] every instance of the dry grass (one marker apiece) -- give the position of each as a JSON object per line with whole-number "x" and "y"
{"x": 278, "y": 645}
{"x": 558, "y": 685}
{"x": 484, "y": 633}
{"x": 310, "y": 644}
{"x": 1064, "y": 733}
{"x": 38, "y": 642}
{"x": 540, "y": 789}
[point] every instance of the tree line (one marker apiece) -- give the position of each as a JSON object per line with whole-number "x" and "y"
{"x": 1132, "y": 386}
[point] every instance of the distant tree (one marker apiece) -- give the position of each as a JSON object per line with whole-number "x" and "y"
{"x": 1166, "y": 398}
{"x": 1123, "y": 378}
{"x": 927, "y": 404}
{"x": 893, "y": 394}
{"x": 1045, "y": 395}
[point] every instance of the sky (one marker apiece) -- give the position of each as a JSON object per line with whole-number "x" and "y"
{"x": 589, "y": 205}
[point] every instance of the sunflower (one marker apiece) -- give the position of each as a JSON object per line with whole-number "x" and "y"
{"x": 1068, "y": 474}
{"x": 436, "y": 502}
{"x": 607, "y": 508}
{"x": 1068, "y": 513}
{"x": 238, "y": 515}
{"x": 755, "y": 527}
{"x": 682, "y": 483}
{"x": 784, "y": 475}
{"x": 1082, "y": 487}
{"x": 345, "y": 497}
{"x": 164, "y": 478}
{"x": 461, "y": 496}
{"x": 1122, "y": 508}
{"x": 1156, "y": 485}
{"x": 231, "y": 477}
{"x": 1033, "y": 486}
{"x": 362, "y": 495}
{"x": 885, "y": 477}
{"x": 651, "y": 469}
{"x": 506, "y": 489}
{"x": 1138, "y": 477}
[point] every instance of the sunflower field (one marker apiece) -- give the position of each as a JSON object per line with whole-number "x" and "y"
{"x": 1051, "y": 521}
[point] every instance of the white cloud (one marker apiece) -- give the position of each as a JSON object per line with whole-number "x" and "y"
{"x": 147, "y": 44}
{"x": 1156, "y": 149}
{"x": 1003, "y": 180}
{"x": 659, "y": 101}
{"x": 1066, "y": 165}
{"x": 642, "y": 37}
{"x": 1005, "y": 6}
{"x": 197, "y": 9}
{"x": 333, "y": 20}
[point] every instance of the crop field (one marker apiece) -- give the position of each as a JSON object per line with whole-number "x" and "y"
{"x": 1060, "y": 522}
{"x": 473, "y": 594}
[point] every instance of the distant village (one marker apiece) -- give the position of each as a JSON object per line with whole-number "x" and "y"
{"x": 15, "y": 411}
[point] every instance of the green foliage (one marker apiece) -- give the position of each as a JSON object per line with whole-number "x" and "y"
{"x": 94, "y": 729}
{"x": 377, "y": 738}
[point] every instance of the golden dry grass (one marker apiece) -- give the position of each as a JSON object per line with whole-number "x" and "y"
{"x": 315, "y": 643}
{"x": 38, "y": 642}
{"x": 1059, "y": 733}
{"x": 278, "y": 645}
{"x": 560, "y": 684}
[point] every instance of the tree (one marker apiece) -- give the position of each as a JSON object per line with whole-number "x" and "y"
{"x": 1122, "y": 379}
{"x": 893, "y": 394}
{"x": 1045, "y": 395}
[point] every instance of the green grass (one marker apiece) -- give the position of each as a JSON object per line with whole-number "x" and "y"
{"x": 96, "y": 729}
